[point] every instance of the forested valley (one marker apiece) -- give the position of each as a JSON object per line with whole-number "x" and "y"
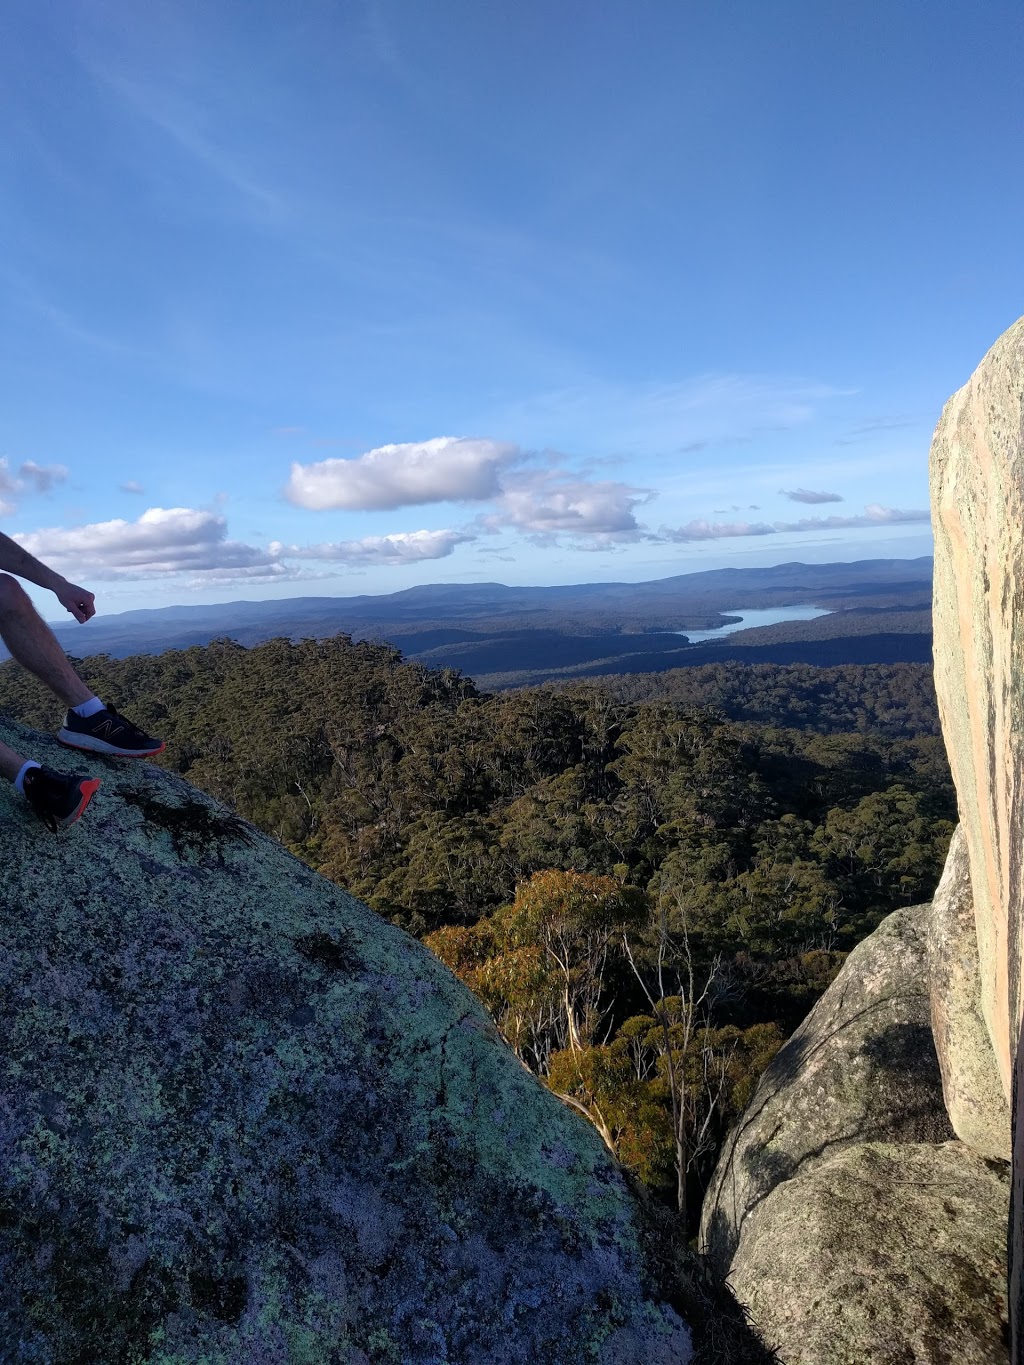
{"x": 647, "y": 880}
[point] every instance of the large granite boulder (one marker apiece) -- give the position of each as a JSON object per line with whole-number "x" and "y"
{"x": 860, "y": 1068}
{"x": 971, "y": 1086}
{"x": 977, "y": 490}
{"x": 243, "y": 1120}
{"x": 883, "y": 1254}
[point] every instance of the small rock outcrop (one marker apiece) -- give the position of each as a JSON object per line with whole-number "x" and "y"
{"x": 860, "y": 1068}
{"x": 971, "y": 1086}
{"x": 243, "y": 1119}
{"x": 884, "y": 1253}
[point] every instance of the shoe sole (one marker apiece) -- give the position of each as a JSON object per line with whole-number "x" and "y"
{"x": 88, "y": 745}
{"x": 86, "y": 791}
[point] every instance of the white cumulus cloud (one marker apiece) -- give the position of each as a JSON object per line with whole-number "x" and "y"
{"x": 444, "y": 469}
{"x": 402, "y": 547}
{"x": 162, "y": 541}
{"x": 546, "y": 504}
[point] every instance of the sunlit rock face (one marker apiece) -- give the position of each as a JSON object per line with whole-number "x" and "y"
{"x": 977, "y": 489}
{"x": 883, "y": 1254}
{"x": 971, "y": 1086}
{"x": 243, "y": 1119}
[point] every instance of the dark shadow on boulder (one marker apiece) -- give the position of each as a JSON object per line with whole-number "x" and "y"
{"x": 335, "y": 955}
{"x": 903, "y": 1103}
{"x": 194, "y": 826}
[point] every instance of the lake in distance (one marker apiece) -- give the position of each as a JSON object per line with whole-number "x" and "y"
{"x": 754, "y": 616}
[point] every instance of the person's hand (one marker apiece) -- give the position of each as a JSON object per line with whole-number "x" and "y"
{"x": 78, "y": 601}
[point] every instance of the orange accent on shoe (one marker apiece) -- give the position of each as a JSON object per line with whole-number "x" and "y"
{"x": 88, "y": 791}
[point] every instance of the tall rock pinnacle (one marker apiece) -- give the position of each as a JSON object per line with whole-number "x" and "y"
{"x": 977, "y": 483}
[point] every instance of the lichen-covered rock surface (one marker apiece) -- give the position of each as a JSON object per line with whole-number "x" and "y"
{"x": 971, "y": 1087}
{"x": 861, "y": 1067}
{"x": 244, "y": 1120}
{"x": 884, "y": 1253}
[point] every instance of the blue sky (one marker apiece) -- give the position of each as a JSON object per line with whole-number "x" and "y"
{"x": 346, "y": 295}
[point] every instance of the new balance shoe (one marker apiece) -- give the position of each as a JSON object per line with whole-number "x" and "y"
{"x": 106, "y": 732}
{"x": 58, "y": 798}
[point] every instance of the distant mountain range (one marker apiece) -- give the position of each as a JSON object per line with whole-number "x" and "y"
{"x": 501, "y": 635}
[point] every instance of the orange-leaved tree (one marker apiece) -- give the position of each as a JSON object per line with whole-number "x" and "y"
{"x": 539, "y": 964}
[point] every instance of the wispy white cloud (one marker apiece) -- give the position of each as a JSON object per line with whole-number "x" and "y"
{"x": 404, "y": 547}
{"x": 873, "y": 428}
{"x": 444, "y": 469}
{"x": 41, "y": 478}
{"x": 715, "y": 530}
{"x": 183, "y": 118}
{"x": 131, "y": 486}
{"x": 809, "y": 495}
{"x": 28, "y": 478}
{"x": 873, "y": 515}
{"x": 684, "y": 417}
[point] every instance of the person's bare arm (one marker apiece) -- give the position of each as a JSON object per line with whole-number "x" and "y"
{"x": 17, "y": 560}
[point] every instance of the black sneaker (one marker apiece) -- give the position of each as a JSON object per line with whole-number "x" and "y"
{"x": 105, "y": 732}
{"x": 58, "y": 798}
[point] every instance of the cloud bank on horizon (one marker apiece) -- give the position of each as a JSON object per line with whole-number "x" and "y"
{"x": 535, "y": 496}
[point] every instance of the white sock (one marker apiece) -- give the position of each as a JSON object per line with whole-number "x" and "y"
{"x": 19, "y": 781}
{"x": 89, "y": 708}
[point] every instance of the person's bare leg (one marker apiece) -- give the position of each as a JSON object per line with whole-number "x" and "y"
{"x": 11, "y": 762}
{"x": 34, "y": 645}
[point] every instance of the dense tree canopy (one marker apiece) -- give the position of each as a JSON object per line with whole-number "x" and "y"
{"x": 533, "y": 834}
